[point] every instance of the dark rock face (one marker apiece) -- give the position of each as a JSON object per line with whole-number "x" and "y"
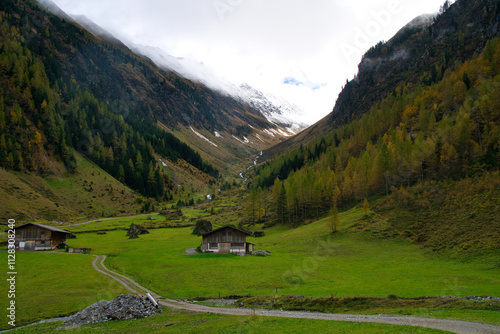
{"x": 123, "y": 307}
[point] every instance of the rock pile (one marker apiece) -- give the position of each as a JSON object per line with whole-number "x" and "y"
{"x": 123, "y": 307}
{"x": 260, "y": 253}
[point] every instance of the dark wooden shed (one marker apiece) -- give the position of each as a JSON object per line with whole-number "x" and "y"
{"x": 33, "y": 236}
{"x": 226, "y": 240}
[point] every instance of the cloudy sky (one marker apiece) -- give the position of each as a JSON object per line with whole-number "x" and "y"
{"x": 302, "y": 50}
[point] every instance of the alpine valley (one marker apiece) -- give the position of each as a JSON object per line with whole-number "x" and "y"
{"x": 388, "y": 205}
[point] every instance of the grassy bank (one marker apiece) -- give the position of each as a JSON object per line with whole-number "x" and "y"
{"x": 89, "y": 192}
{"x": 186, "y": 323}
{"x": 307, "y": 261}
{"x": 471, "y": 309}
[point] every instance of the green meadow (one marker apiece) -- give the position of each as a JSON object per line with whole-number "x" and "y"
{"x": 113, "y": 223}
{"x": 305, "y": 261}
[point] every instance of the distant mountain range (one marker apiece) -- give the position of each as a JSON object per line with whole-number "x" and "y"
{"x": 214, "y": 104}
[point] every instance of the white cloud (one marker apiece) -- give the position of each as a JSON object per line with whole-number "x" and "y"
{"x": 261, "y": 42}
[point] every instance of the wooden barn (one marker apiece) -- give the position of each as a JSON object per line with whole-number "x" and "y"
{"x": 226, "y": 240}
{"x": 33, "y": 236}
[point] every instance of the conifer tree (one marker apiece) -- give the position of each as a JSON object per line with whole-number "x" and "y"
{"x": 333, "y": 220}
{"x": 366, "y": 206}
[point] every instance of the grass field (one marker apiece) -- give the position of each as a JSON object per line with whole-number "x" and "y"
{"x": 306, "y": 261}
{"x": 186, "y": 323}
{"x": 51, "y": 285}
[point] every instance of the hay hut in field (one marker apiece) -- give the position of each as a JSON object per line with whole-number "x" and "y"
{"x": 32, "y": 236}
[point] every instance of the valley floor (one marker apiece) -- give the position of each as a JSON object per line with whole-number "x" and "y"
{"x": 401, "y": 322}
{"x": 307, "y": 261}
{"x": 446, "y": 325}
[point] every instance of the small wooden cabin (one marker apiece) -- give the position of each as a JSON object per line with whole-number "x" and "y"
{"x": 226, "y": 240}
{"x": 33, "y": 236}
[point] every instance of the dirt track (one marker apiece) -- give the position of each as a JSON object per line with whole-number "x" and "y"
{"x": 463, "y": 327}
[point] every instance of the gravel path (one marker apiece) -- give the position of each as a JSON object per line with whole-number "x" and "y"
{"x": 455, "y": 326}
{"x": 128, "y": 283}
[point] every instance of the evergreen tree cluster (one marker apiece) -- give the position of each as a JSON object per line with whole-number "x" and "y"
{"x": 31, "y": 124}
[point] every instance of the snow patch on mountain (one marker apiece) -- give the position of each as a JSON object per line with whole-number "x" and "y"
{"x": 203, "y": 137}
{"x": 268, "y": 132}
{"x": 241, "y": 141}
{"x": 277, "y": 110}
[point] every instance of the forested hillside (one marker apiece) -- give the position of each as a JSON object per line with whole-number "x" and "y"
{"x": 62, "y": 89}
{"x": 40, "y": 121}
{"x": 418, "y": 54}
{"x": 420, "y": 132}
{"x": 445, "y": 126}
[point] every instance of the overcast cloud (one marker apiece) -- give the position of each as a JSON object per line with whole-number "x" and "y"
{"x": 301, "y": 50}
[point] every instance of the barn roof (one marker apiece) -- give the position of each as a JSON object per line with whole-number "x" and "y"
{"x": 223, "y": 227}
{"x": 53, "y": 229}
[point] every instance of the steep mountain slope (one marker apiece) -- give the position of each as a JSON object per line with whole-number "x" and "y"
{"x": 167, "y": 96}
{"x": 202, "y": 107}
{"x": 260, "y": 135}
{"x": 88, "y": 192}
{"x": 433, "y": 120}
{"x": 54, "y": 100}
{"x": 419, "y": 53}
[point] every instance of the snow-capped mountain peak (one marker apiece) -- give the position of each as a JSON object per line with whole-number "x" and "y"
{"x": 276, "y": 110}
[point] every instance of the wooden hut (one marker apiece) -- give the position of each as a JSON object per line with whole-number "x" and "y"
{"x": 33, "y": 236}
{"x": 226, "y": 240}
